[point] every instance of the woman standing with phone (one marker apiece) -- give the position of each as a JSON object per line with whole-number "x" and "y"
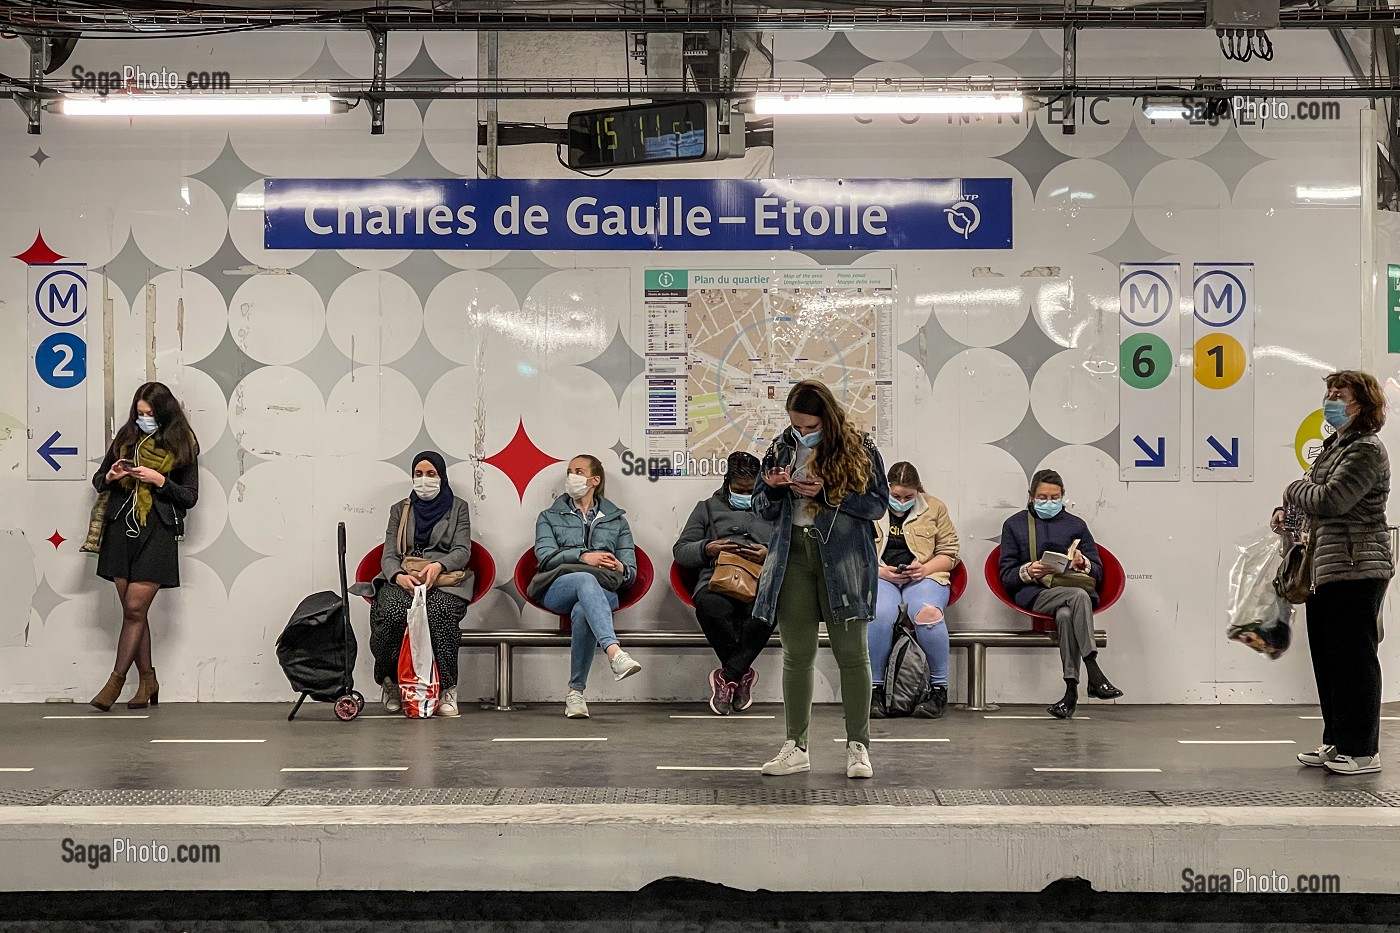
{"x": 725, "y": 523}
{"x": 150, "y": 478}
{"x": 823, "y": 486}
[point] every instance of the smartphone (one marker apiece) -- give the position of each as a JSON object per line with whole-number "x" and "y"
{"x": 127, "y": 465}
{"x": 902, "y": 568}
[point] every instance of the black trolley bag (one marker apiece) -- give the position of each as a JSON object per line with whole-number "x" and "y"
{"x": 317, "y": 649}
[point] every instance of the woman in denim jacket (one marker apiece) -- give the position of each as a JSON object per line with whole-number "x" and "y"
{"x": 823, "y": 488}
{"x": 583, "y": 527}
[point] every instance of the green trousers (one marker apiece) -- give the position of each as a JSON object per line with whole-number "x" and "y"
{"x": 802, "y": 604}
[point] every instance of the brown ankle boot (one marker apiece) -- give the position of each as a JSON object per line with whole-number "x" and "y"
{"x": 147, "y": 693}
{"x": 108, "y": 695}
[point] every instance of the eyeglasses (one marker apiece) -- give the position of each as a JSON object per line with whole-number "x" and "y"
{"x": 1049, "y": 498}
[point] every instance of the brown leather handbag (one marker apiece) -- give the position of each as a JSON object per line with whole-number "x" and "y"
{"x": 1294, "y": 581}
{"x": 734, "y": 576}
{"x": 416, "y": 565}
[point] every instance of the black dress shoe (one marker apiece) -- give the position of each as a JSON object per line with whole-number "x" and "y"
{"x": 1061, "y": 710}
{"x": 1104, "y": 691}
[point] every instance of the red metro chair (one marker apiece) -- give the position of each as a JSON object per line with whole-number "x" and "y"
{"x": 527, "y": 565}
{"x": 481, "y": 563}
{"x": 1110, "y": 588}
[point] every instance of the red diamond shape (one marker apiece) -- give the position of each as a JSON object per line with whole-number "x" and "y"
{"x": 56, "y": 540}
{"x": 39, "y": 253}
{"x": 520, "y": 460}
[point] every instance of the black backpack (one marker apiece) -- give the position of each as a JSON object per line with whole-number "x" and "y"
{"x": 906, "y": 672}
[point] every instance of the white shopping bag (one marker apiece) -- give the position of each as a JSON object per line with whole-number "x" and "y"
{"x": 418, "y": 673}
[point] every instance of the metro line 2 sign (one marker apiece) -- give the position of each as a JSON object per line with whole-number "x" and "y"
{"x": 56, "y": 416}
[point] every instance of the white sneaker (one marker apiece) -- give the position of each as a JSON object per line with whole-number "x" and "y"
{"x": 393, "y": 701}
{"x": 574, "y": 707}
{"x": 623, "y": 666}
{"x": 1361, "y": 764}
{"x": 1320, "y": 757}
{"x": 790, "y": 760}
{"x": 858, "y": 761}
{"x": 447, "y": 703}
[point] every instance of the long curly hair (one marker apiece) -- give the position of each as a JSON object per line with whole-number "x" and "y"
{"x": 841, "y": 458}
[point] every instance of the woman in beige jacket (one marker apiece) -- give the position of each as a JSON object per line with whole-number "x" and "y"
{"x": 918, "y": 549}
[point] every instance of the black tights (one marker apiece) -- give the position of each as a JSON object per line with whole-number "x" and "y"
{"x": 134, "y": 642}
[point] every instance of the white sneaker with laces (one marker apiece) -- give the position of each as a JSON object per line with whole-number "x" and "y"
{"x": 447, "y": 703}
{"x": 1360, "y": 764}
{"x": 393, "y": 701}
{"x": 623, "y": 666}
{"x": 790, "y": 760}
{"x": 1319, "y": 757}
{"x": 574, "y": 706}
{"x": 858, "y": 761}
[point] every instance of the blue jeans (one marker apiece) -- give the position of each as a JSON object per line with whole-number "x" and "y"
{"x": 932, "y": 638}
{"x": 590, "y": 607}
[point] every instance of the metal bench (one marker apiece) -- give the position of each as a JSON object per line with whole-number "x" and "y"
{"x": 976, "y": 644}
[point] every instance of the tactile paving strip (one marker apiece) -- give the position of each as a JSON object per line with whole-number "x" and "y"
{"x": 1390, "y": 797}
{"x": 26, "y": 798}
{"x": 525, "y": 796}
{"x": 1052, "y": 797}
{"x": 1270, "y": 798}
{"x": 798, "y": 796}
{"x": 386, "y": 797}
{"x": 164, "y": 798}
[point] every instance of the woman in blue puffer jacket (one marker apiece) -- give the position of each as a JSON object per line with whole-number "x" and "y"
{"x": 584, "y": 528}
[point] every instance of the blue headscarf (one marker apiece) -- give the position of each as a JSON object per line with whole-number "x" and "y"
{"x": 426, "y": 514}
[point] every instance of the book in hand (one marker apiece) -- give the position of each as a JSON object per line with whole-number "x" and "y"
{"x": 1059, "y": 563}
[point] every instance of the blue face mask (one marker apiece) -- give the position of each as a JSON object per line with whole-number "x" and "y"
{"x": 740, "y": 502}
{"x": 1049, "y": 509}
{"x": 898, "y": 506}
{"x": 807, "y": 440}
{"x": 1334, "y": 412}
{"x": 147, "y": 424}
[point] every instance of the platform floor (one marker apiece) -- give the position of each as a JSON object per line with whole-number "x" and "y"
{"x": 1170, "y": 749}
{"x": 1127, "y": 797}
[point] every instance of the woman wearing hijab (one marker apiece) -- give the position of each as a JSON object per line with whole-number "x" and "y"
{"x": 436, "y": 527}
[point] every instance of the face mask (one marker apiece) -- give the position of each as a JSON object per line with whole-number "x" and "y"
{"x": 1335, "y": 413}
{"x": 147, "y": 423}
{"x": 807, "y": 440}
{"x": 1048, "y": 510}
{"x": 740, "y": 502}
{"x": 901, "y": 506}
{"x": 427, "y": 487}
{"x": 576, "y": 486}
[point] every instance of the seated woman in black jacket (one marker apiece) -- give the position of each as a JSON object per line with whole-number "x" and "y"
{"x": 150, "y": 478}
{"x": 1033, "y": 585}
{"x": 725, "y": 523}
{"x": 433, "y": 524}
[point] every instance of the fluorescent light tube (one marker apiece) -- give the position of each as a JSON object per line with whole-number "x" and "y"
{"x": 199, "y": 105}
{"x": 1328, "y": 193}
{"x": 895, "y": 103}
{"x": 1166, "y": 111}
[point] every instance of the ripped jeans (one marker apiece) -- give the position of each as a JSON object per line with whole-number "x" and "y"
{"x": 933, "y": 639}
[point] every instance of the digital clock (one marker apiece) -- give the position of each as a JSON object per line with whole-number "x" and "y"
{"x": 650, "y": 134}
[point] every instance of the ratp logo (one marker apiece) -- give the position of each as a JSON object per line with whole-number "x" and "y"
{"x": 964, "y": 217}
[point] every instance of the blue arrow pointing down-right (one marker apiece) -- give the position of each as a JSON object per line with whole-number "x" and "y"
{"x": 1228, "y": 458}
{"x": 1155, "y": 458}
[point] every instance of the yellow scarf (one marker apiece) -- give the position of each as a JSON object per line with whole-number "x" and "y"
{"x": 148, "y": 455}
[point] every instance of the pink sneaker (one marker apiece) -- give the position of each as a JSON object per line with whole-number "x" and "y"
{"x": 743, "y": 690}
{"x": 721, "y": 694}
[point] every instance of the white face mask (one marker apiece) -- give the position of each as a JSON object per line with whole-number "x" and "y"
{"x": 576, "y": 486}
{"x": 147, "y": 423}
{"x": 427, "y": 487}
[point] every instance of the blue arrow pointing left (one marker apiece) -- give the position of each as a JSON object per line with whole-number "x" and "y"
{"x": 1228, "y": 458}
{"x": 48, "y": 451}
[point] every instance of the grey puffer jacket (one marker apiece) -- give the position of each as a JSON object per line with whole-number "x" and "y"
{"x": 1344, "y": 497}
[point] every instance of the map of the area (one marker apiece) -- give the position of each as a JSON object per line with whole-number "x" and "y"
{"x": 725, "y": 346}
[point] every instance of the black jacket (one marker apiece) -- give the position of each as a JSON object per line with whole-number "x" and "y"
{"x": 172, "y": 501}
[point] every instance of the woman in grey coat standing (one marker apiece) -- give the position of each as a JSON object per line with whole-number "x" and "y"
{"x": 1343, "y": 499}
{"x": 434, "y": 524}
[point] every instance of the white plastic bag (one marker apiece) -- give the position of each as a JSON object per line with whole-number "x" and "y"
{"x": 418, "y": 672}
{"x": 1259, "y": 617}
